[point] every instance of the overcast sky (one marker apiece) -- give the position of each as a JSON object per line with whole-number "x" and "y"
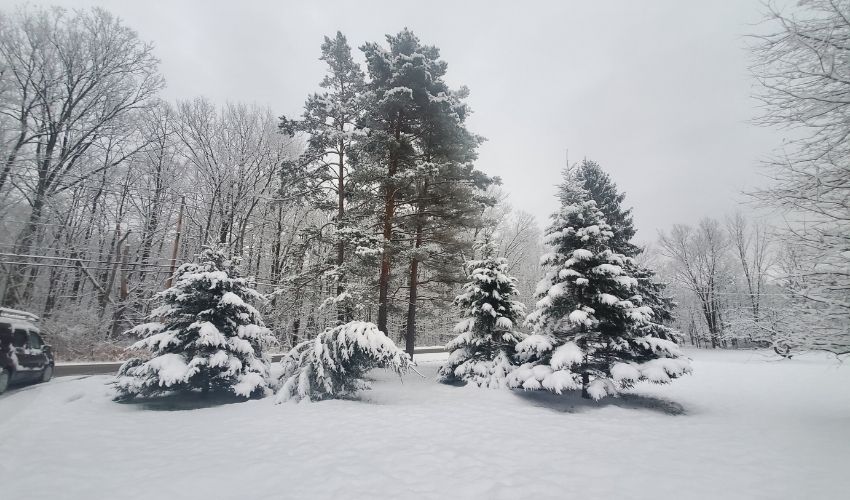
{"x": 657, "y": 92}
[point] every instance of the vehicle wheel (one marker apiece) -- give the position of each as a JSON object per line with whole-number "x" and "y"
{"x": 4, "y": 380}
{"x": 47, "y": 374}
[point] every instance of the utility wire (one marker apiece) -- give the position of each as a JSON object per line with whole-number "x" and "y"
{"x": 46, "y": 257}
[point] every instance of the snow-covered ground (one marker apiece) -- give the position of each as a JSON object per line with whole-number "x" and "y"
{"x": 743, "y": 426}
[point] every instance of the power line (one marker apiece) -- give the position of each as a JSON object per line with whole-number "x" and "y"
{"x": 66, "y": 266}
{"x": 112, "y": 184}
{"x": 157, "y": 268}
{"x": 67, "y": 250}
{"x": 130, "y": 192}
{"x": 46, "y": 257}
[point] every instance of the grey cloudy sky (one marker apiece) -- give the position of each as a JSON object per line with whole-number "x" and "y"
{"x": 657, "y": 92}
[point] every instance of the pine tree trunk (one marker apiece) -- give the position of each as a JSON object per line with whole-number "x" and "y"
{"x": 389, "y": 214}
{"x": 384, "y": 278}
{"x": 343, "y": 313}
{"x": 410, "y": 336}
{"x": 274, "y": 271}
{"x": 585, "y": 381}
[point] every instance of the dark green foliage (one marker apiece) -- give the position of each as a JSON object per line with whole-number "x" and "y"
{"x": 204, "y": 337}
{"x": 330, "y": 122}
{"x": 419, "y": 154}
{"x": 334, "y": 364}
{"x": 609, "y": 201}
{"x": 590, "y": 322}
{"x": 482, "y": 351}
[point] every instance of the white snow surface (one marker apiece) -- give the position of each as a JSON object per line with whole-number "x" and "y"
{"x": 745, "y": 425}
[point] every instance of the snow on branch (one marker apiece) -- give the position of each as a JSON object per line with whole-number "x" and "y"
{"x": 334, "y": 364}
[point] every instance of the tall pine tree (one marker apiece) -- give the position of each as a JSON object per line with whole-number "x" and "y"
{"x": 330, "y": 121}
{"x": 447, "y": 200}
{"x": 588, "y": 324}
{"x": 418, "y": 150}
{"x": 205, "y": 337}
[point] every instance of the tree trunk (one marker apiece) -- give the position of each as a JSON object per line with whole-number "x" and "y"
{"x": 151, "y": 226}
{"x": 110, "y": 270}
{"x": 12, "y": 157}
{"x": 343, "y": 311}
{"x": 21, "y": 275}
{"x": 585, "y": 381}
{"x": 52, "y": 282}
{"x": 123, "y": 295}
{"x": 176, "y": 248}
{"x": 410, "y": 336}
{"x": 224, "y": 223}
{"x": 389, "y": 214}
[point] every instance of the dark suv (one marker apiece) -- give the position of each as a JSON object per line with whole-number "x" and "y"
{"x": 24, "y": 357}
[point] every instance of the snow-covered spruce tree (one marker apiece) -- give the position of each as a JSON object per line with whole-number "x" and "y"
{"x": 333, "y": 364}
{"x": 609, "y": 201}
{"x": 483, "y": 350}
{"x": 588, "y": 325}
{"x": 653, "y": 294}
{"x": 204, "y": 337}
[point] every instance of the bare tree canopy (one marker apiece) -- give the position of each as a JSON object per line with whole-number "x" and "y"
{"x": 70, "y": 83}
{"x": 803, "y": 66}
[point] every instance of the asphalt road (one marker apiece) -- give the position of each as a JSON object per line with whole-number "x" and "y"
{"x": 64, "y": 370}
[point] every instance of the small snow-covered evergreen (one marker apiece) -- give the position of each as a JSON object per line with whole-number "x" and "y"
{"x": 591, "y": 330}
{"x": 204, "y": 337}
{"x": 483, "y": 350}
{"x": 333, "y": 364}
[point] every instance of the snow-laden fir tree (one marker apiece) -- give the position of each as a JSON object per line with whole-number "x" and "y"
{"x": 589, "y": 325}
{"x": 609, "y": 201}
{"x": 334, "y": 364}
{"x": 204, "y": 337}
{"x": 653, "y": 295}
{"x": 482, "y": 352}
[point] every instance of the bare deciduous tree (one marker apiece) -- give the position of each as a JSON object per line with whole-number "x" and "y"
{"x": 76, "y": 79}
{"x": 803, "y": 65}
{"x": 751, "y": 247}
{"x": 698, "y": 257}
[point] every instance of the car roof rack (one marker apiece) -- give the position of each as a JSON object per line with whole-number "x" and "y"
{"x": 5, "y": 312}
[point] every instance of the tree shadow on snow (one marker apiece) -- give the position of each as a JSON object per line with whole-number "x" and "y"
{"x": 572, "y": 402}
{"x": 183, "y": 402}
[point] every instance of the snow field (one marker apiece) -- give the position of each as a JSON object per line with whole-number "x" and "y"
{"x": 743, "y": 426}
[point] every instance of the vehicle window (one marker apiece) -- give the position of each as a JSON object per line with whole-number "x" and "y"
{"x": 20, "y": 338}
{"x": 5, "y": 334}
{"x": 35, "y": 341}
